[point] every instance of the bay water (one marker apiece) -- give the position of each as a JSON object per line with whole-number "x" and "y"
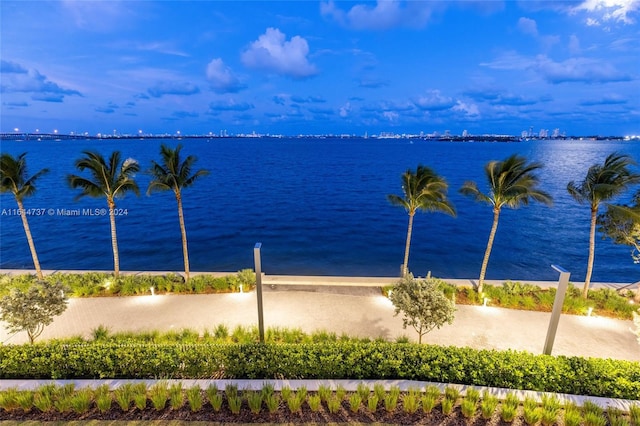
{"x": 318, "y": 206}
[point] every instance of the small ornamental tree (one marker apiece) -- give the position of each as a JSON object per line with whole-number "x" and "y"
{"x": 423, "y": 305}
{"x": 32, "y": 310}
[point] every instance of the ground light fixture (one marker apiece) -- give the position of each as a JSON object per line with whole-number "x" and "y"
{"x": 563, "y": 283}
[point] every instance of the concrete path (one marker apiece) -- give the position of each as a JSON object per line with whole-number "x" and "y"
{"x": 359, "y": 311}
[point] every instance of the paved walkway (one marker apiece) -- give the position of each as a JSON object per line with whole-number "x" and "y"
{"x": 359, "y": 311}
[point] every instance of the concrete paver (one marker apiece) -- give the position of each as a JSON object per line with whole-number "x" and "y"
{"x": 359, "y": 311}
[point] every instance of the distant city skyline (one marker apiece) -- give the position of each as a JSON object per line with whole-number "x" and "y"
{"x": 306, "y": 67}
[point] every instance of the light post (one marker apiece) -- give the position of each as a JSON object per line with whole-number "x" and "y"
{"x": 563, "y": 282}
{"x": 258, "y": 268}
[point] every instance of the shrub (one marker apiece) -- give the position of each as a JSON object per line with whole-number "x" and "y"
{"x": 447, "y": 406}
{"x": 634, "y": 414}
{"x": 488, "y": 405}
{"x": 472, "y": 394}
{"x": 324, "y": 392}
{"x": 334, "y": 404}
{"x": 124, "y": 396}
{"x": 176, "y": 398}
{"x": 532, "y": 415}
{"x": 159, "y": 395}
{"x": 372, "y": 403}
{"x": 314, "y": 402}
{"x": 594, "y": 419}
{"x": 468, "y": 408}
{"x": 428, "y": 403}
{"x": 254, "y": 400}
{"x": 363, "y": 390}
{"x": 354, "y": 402}
{"x": 508, "y": 413}
{"x": 345, "y": 360}
{"x": 194, "y": 396}
{"x": 214, "y": 397}
{"x": 272, "y": 403}
{"x": 451, "y": 393}
{"x": 25, "y": 400}
{"x": 378, "y": 390}
{"x": 235, "y": 404}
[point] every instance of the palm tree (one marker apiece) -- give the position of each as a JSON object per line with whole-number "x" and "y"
{"x": 171, "y": 174}
{"x": 13, "y": 175}
{"x": 423, "y": 190}
{"x": 602, "y": 183}
{"x": 110, "y": 180}
{"x": 512, "y": 183}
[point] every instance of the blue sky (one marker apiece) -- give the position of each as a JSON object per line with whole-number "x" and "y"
{"x": 308, "y": 67}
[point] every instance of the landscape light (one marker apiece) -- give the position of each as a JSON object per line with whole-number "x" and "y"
{"x": 563, "y": 283}
{"x": 589, "y": 311}
{"x": 153, "y": 292}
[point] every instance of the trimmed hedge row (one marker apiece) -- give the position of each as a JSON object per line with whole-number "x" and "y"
{"x": 342, "y": 360}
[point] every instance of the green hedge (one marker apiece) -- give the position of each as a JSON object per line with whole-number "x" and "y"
{"x": 341, "y": 360}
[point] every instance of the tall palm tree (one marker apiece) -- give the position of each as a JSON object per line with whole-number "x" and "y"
{"x": 110, "y": 180}
{"x": 602, "y": 183}
{"x": 423, "y": 190}
{"x": 13, "y": 177}
{"x": 172, "y": 174}
{"x": 512, "y": 183}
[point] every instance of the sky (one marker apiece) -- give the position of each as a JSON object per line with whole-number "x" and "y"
{"x": 327, "y": 67}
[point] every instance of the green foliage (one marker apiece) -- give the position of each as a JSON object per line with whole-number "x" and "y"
{"x": 341, "y": 360}
{"x": 159, "y": 395}
{"x": 334, "y": 404}
{"x": 572, "y": 417}
{"x": 124, "y": 396}
{"x": 235, "y": 404}
{"x": 410, "y": 403}
{"x": 194, "y": 396}
{"x": 214, "y": 397}
{"x": 324, "y": 392}
{"x": 314, "y": 403}
{"x": 88, "y": 284}
{"x": 176, "y": 397}
{"x": 447, "y": 406}
{"x": 372, "y": 403}
{"x": 363, "y": 390}
{"x": 468, "y": 408}
{"x": 428, "y": 403}
{"x": 488, "y": 405}
{"x": 532, "y": 415}
{"x": 472, "y": 394}
{"x": 254, "y": 400}
{"x": 508, "y": 413}
{"x": 103, "y": 401}
{"x": 451, "y": 393}
{"x": 32, "y": 310}
{"x": 423, "y": 306}
{"x": 272, "y": 402}
{"x": 379, "y": 391}
{"x": 634, "y": 414}
{"x": 354, "y": 402}
{"x": 390, "y": 402}
{"x": 594, "y": 419}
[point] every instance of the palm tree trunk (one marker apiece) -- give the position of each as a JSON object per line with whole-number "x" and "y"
{"x": 487, "y": 253}
{"x": 405, "y": 265}
{"x": 183, "y": 231}
{"x": 592, "y": 252}
{"x": 114, "y": 239}
{"x": 32, "y": 246}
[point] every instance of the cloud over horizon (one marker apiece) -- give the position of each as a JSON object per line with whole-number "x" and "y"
{"x": 272, "y": 52}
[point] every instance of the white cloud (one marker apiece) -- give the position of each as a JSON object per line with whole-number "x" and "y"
{"x": 98, "y": 15}
{"x": 434, "y": 101}
{"x": 621, "y": 11}
{"x": 345, "y": 110}
{"x": 272, "y": 52}
{"x": 583, "y": 70}
{"x": 528, "y": 26}
{"x": 222, "y": 78}
{"x": 470, "y": 110}
{"x": 384, "y": 15}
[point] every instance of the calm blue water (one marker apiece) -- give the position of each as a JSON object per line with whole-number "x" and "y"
{"x": 318, "y": 207}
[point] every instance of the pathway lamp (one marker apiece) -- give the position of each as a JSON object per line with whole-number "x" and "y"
{"x": 563, "y": 282}
{"x": 258, "y": 267}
